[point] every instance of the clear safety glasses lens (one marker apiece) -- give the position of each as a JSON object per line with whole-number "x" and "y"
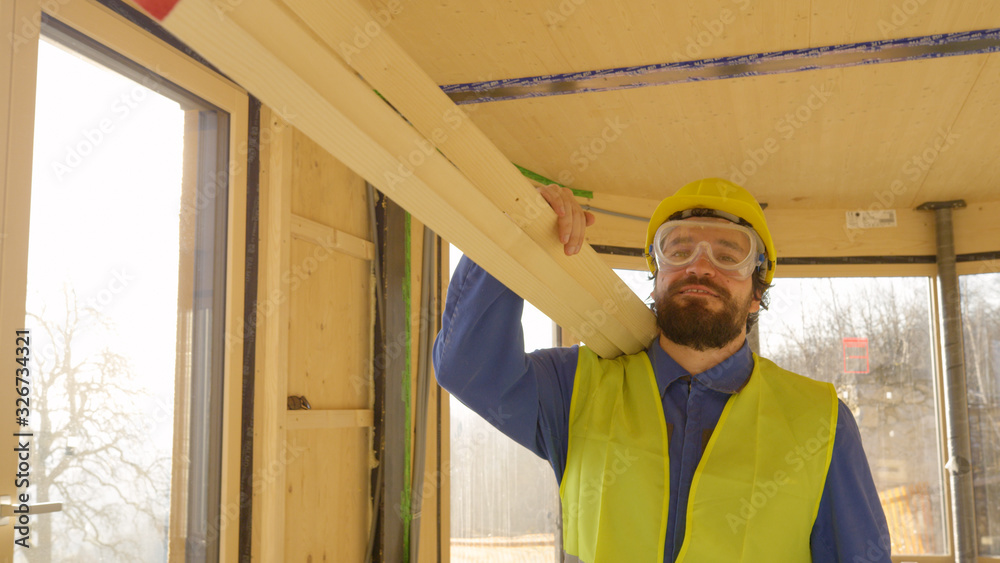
{"x": 732, "y": 249}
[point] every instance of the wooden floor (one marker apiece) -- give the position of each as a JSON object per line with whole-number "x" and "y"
{"x": 537, "y": 548}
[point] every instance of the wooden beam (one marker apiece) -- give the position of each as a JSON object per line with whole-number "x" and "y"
{"x": 273, "y": 314}
{"x": 330, "y": 238}
{"x": 340, "y": 418}
{"x": 276, "y": 56}
{"x": 18, "y": 68}
{"x": 398, "y": 78}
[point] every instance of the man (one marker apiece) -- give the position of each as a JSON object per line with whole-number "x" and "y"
{"x": 696, "y": 449}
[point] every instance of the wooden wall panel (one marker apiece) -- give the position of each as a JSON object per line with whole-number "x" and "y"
{"x": 328, "y": 508}
{"x": 328, "y": 500}
{"x": 328, "y": 331}
{"x": 327, "y": 191}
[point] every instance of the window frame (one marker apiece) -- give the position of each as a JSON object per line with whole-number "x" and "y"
{"x": 121, "y": 36}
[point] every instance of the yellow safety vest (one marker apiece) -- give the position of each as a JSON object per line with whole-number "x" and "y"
{"x": 755, "y": 493}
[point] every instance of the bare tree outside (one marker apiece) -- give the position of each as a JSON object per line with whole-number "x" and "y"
{"x": 872, "y": 338}
{"x": 981, "y": 331}
{"x": 92, "y": 418}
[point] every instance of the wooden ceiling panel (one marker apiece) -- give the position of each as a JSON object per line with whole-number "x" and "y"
{"x": 819, "y": 139}
{"x": 970, "y": 169}
{"x": 459, "y": 42}
{"x": 835, "y": 22}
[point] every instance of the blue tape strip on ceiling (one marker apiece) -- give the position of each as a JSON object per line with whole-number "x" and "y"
{"x": 796, "y": 60}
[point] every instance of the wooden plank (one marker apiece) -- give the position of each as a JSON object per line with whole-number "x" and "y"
{"x": 273, "y": 315}
{"x": 18, "y": 66}
{"x": 330, "y": 238}
{"x": 396, "y": 76}
{"x": 365, "y": 107}
{"x": 329, "y": 355}
{"x": 327, "y": 520}
{"x": 326, "y": 419}
{"x": 232, "y": 409}
{"x": 364, "y": 133}
{"x": 336, "y": 192}
{"x": 331, "y": 320}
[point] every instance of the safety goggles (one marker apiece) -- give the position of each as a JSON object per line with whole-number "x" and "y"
{"x": 733, "y": 249}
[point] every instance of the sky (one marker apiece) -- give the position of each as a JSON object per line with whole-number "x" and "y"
{"x": 105, "y": 200}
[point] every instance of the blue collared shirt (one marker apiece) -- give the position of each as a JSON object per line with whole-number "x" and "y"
{"x": 479, "y": 357}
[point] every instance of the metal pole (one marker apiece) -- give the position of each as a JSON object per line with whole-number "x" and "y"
{"x": 959, "y": 463}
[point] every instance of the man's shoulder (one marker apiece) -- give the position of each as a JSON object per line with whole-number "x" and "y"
{"x": 586, "y": 354}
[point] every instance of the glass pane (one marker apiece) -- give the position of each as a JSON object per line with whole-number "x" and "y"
{"x": 116, "y": 236}
{"x": 981, "y": 326}
{"x": 639, "y": 282}
{"x": 872, "y": 338}
{"x": 504, "y": 499}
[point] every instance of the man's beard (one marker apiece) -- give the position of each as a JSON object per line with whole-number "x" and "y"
{"x": 689, "y": 322}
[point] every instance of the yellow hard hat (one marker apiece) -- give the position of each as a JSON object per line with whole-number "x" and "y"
{"x": 722, "y": 196}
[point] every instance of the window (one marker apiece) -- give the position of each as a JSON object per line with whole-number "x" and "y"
{"x": 126, "y": 278}
{"x": 981, "y": 327}
{"x": 504, "y": 499}
{"x": 819, "y": 328}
